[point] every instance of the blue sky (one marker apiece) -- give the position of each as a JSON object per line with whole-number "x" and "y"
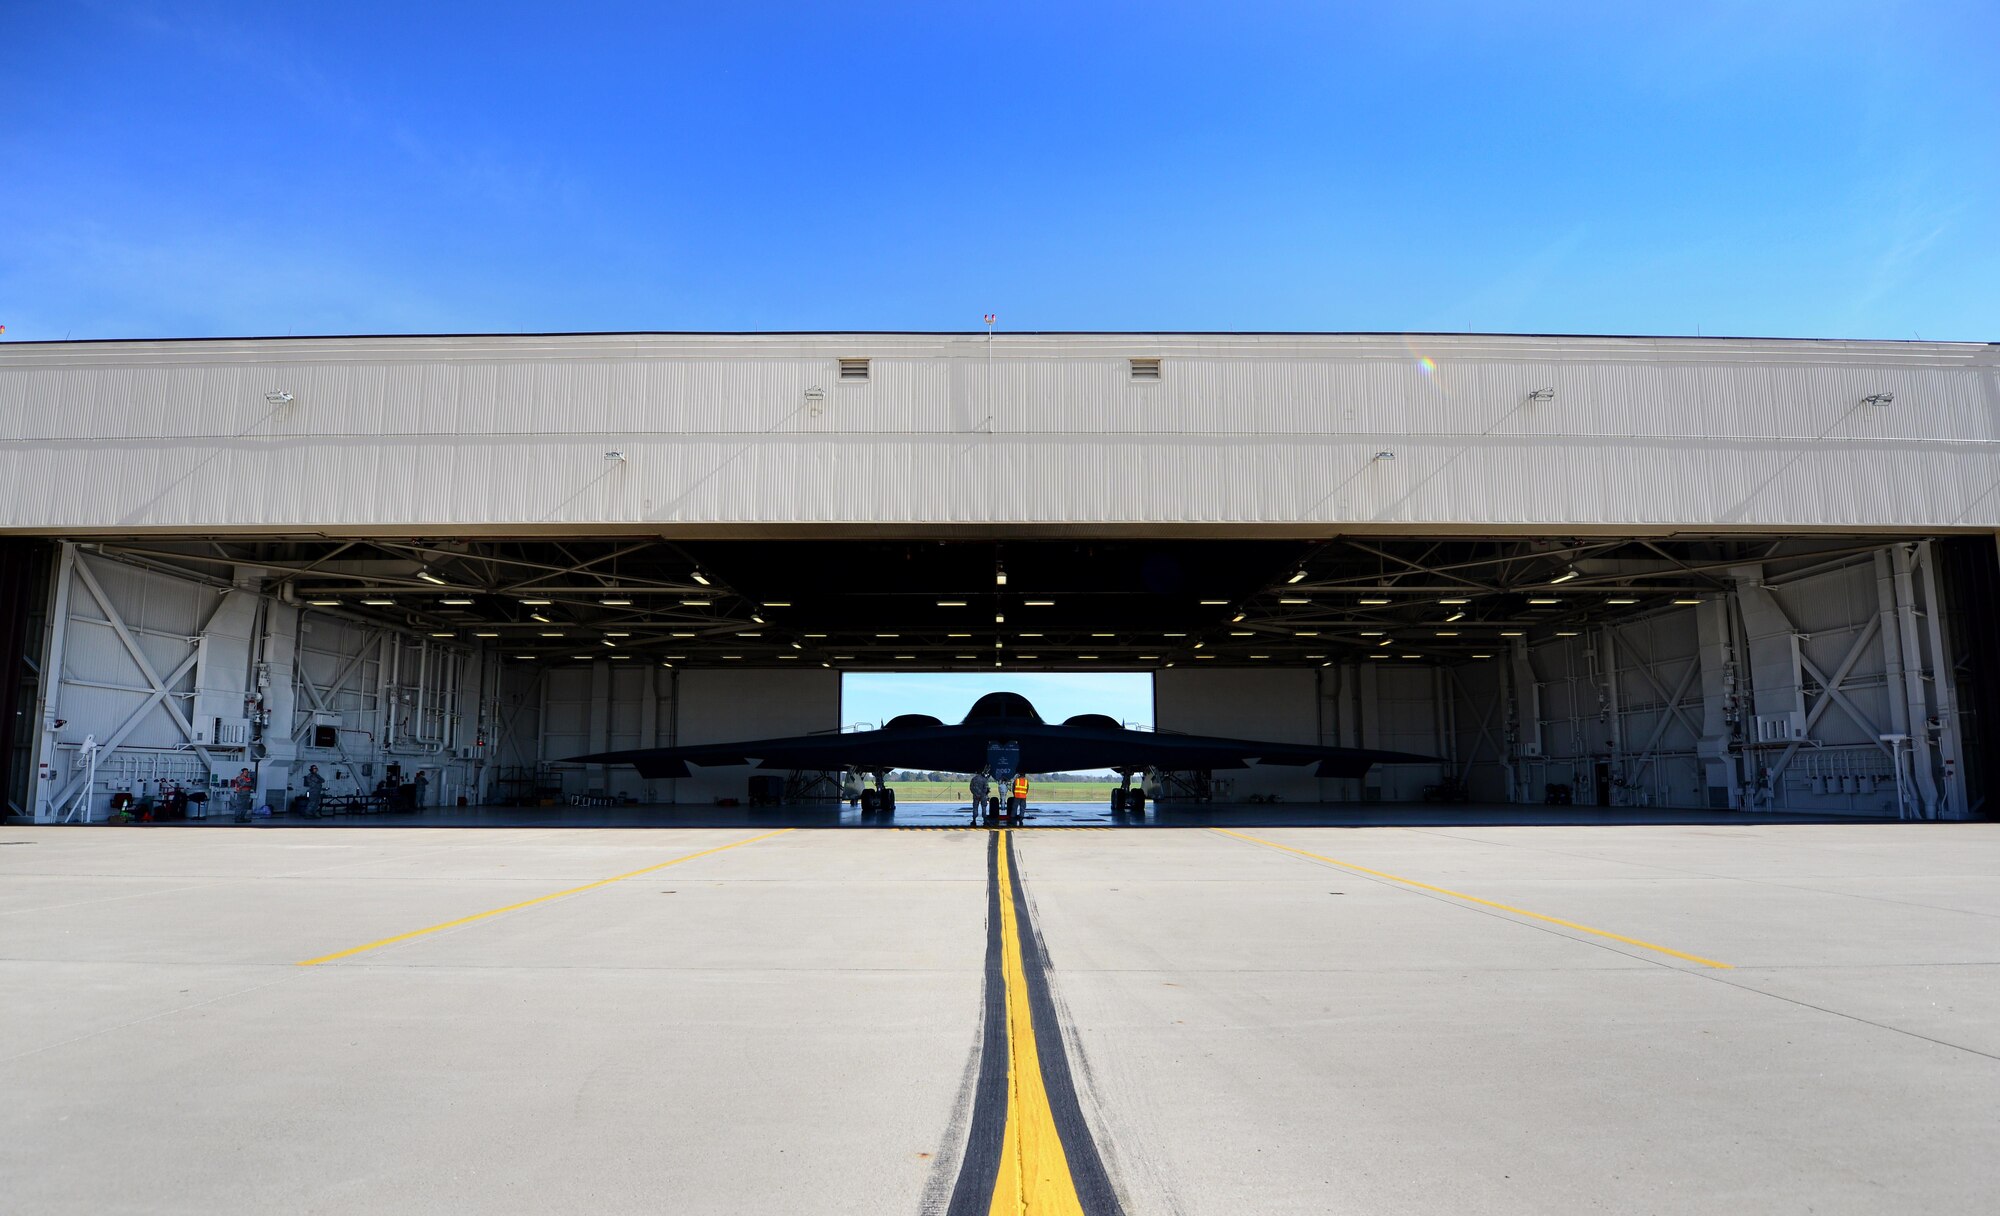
{"x": 1813, "y": 169}
{"x": 876, "y": 697}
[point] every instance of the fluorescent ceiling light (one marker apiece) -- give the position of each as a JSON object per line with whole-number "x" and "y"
{"x": 696, "y": 603}
{"x": 1545, "y": 601}
{"x": 888, "y": 635}
{"x": 1239, "y": 616}
{"x": 777, "y": 603}
{"x": 1456, "y": 616}
{"x": 555, "y": 634}
{"x": 444, "y": 635}
{"x": 324, "y": 603}
{"x": 1306, "y": 633}
{"x": 701, "y": 578}
{"x": 749, "y": 633}
{"x": 1510, "y": 633}
{"x": 456, "y": 603}
{"x": 1564, "y": 577}
{"x": 680, "y": 635}
{"x": 1455, "y": 601}
{"x": 958, "y": 635}
{"x": 379, "y": 603}
{"x": 1025, "y": 635}
{"x": 812, "y": 635}
{"x": 1447, "y": 633}
{"x": 1018, "y": 656}
{"x": 1104, "y": 635}
{"x": 1371, "y": 633}
{"x": 1294, "y": 601}
{"x": 999, "y": 578}
{"x": 1204, "y": 656}
{"x": 606, "y": 603}
{"x": 617, "y": 635}
{"x": 1385, "y": 642}
{"x": 1242, "y": 633}
{"x": 1260, "y": 656}
{"x": 1039, "y": 603}
{"x": 1565, "y": 633}
{"x": 1086, "y": 656}
{"x": 1214, "y": 603}
{"x": 1482, "y": 656}
{"x": 951, "y": 603}
{"x": 536, "y": 616}
{"x": 537, "y": 603}
{"x": 1173, "y": 635}
{"x": 1374, "y": 599}
{"x": 428, "y": 577}
{"x": 1687, "y": 601}
{"x": 486, "y": 635}
{"x": 760, "y": 620}
{"x": 1296, "y": 578}
{"x": 1621, "y": 601}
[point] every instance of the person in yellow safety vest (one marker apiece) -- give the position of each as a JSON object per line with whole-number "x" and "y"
{"x": 1021, "y": 788}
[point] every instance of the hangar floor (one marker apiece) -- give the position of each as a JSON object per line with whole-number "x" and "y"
{"x": 1532, "y": 1019}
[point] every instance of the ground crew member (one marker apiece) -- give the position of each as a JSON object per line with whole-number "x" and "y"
{"x": 420, "y": 783}
{"x": 240, "y": 787}
{"x": 315, "y": 792}
{"x": 1020, "y": 806}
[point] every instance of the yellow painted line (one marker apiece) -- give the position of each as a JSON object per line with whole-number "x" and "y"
{"x": 1488, "y": 903}
{"x": 529, "y": 903}
{"x": 1034, "y": 1171}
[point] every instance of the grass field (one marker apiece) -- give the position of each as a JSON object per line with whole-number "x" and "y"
{"x": 1039, "y": 791}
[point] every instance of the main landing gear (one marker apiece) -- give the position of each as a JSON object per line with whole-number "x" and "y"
{"x": 1127, "y": 800}
{"x": 1013, "y": 811}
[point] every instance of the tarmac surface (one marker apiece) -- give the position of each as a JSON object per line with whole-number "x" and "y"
{"x": 1719, "y": 1015}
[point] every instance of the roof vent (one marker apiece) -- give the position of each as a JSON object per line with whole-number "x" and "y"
{"x": 1145, "y": 371}
{"x": 854, "y": 371}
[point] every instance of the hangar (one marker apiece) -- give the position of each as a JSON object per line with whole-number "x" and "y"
{"x": 1643, "y": 572}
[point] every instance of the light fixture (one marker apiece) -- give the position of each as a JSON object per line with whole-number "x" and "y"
{"x": 1447, "y": 633}
{"x": 1482, "y": 656}
{"x": 1378, "y": 656}
{"x": 554, "y": 633}
{"x": 1374, "y": 599}
{"x": 696, "y": 603}
{"x": 1086, "y": 656}
{"x": 1204, "y": 656}
{"x": 701, "y": 578}
{"x": 951, "y": 603}
{"x": 1621, "y": 601}
{"x": 1687, "y": 601}
{"x": 999, "y": 576}
{"x": 324, "y": 603}
{"x": 1565, "y": 576}
{"x": 680, "y": 635}
{"x": 617, "y": 635}
{"x": 1413, "y": 656}
{"x": 1104, "y": 635}
{"x": 974, "y": 656}
{"x": 486, "y": 635}
{"x": 813, "y": 635}
{"x": 537, "y": 603}
{"x": 777, "y": 603}
{"x": 1239, "y": 616}
{"x": 579, "y": 656}
{"x": 758, "y": 619}
{"x": 1386, "y": 642}
{"x": 1565, "y": 633}
{"x": 905, "y": 656}
{"x": 1545, "y": 600}
{"x": 606, "y": 603}
{"x": 999, "y": 618}
{"x": 1456, "y": 616}
{"x": 1542, "y": 394}
{"x": 888, "y": 635}
{"x": 677, "y": 656}
{"x": 1306, "y": 633}
{"x": 1511, "y": 633}
{"x": 1385, "y": 455}
{"x": 1242, "y": 633}
{"x": 1143, "y": 656}
{"x": 958, "y": 635}
{"x": 732, "y": 656}
{"x": 524, "y": 656}
{"x": 428, "y": 577}
{"x": 444, "y": 635}
{"x": 798, "y": 645}
{"x": 278, "y": 396}
{"x": 1173, "y": 635}
{"x": 1214, "y": 603}
{"x": 1296, "y": 578}
{"x": 749, "y": 633}
{"x": 536, "y": 616}
{"x": 1260, "y": 656}
{"x": 615, "y": 456}
{"x": 1371, "y": 633}
{"x": 1294, "y": 600}
{"x": 1018, "y": 656}
{"x": 1875, "y": 399}
{"x": 1455, "y": 601}
{"x": 1029, "y": 635}
{"x": 606, "y": 642}
{"x": 781, "y": 657}
{"x": 1039, "y": 603}
{"x": 379, "y": 603}
{"x": 456, "y": 603}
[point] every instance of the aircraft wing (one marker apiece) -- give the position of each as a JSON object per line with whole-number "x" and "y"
{"x": 1045, "y": 748}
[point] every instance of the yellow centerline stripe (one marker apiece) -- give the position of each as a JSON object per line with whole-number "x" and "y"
{"x": 1474, "y": 899}
{"x": 1034, "y": 1177}
{"x": 529, "y": 903}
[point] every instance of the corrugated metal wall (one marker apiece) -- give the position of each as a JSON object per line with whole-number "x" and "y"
{"x": 1247, "y": 430}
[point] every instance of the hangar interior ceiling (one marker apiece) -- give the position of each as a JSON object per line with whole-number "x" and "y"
{"x": 1036, "y": 604}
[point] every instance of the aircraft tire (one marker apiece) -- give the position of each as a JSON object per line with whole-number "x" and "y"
{"x": 867, "y": 802}
{"x": 1135, "y": 803}
{"x": 1118, "y": 802}
{"x": 888, "y": 801}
